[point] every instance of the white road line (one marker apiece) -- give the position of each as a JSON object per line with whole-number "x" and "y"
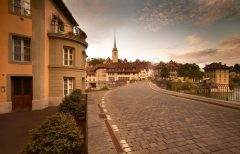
{"x": 125, "y": 146}
{"x": 109, "y": 117}
{"x": 123, "y": 141}
{"x": 105, "y": 110}
{"x": 115, "y": 128}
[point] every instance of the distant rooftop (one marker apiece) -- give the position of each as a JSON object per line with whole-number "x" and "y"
{"x": 216, "y": 66}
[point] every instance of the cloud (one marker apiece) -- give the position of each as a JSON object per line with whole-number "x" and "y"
{"x": 195, "y": 42}
{"x": 156, "y": 14}
{"x": 229, "y": 56}
{"x": 232, "y": 41}
{"x": 194, "y": 39}
{"x": 99, "y": 18}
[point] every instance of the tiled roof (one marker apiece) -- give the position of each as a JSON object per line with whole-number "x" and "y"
{"x": 121, "y": 67}
{"x": 216, "y": 66}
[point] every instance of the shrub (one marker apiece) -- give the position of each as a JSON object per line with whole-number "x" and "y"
{"x": 73, "y": 104}
{"x": 57, "y": 134}
{"x": 105, "y": 88}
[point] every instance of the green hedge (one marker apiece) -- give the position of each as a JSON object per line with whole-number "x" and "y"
{"x": 73, "y": 104}
{"x": 59, "y": 134}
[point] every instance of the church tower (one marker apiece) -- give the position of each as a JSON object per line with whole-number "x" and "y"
{"x": 115, "y": 51}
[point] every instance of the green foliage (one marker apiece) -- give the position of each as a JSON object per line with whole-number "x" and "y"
{"x": 234, "y": 82}
{"x": 191, "y": 71}
{"x": 73, "y": 104}
{"x": 58, "y": 134}
{"x": 105, "y": 88}
{"x": 164, "y": 72}
{"x": 236, "y": 68}
{"x": 175, "y": 86}
{"x": 178, "y": 86}
{"x": 189, "y": 86}
{"x": 95, "y": 61}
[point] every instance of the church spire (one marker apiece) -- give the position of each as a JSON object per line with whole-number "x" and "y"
{"x": 115, "y": 46}
{"x": 115, "y": 50}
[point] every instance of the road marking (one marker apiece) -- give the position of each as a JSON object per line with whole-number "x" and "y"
{"x": 127, "y": 149}
{"x": 105, "y": 110}
{"x": 115, "y": 128}
{"x": 123, "y": 141}
{"x": 109, "y": 117}
{"x": 103, "y": 105}
{"x": 125, "y": 146}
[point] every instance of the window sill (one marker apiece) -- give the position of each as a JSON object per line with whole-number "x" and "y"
{"x": 21, "y": 15}
{"x": 20, "y": 63}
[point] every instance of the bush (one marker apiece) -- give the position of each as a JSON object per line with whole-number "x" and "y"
{"x": 105, "y": 88}
{"x": 73, "y": 104}
{"x": 57, "y": 134}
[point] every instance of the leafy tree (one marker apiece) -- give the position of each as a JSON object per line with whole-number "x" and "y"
{"x": 236, "y": 68}
{"x": 95, "y": 61}
{"x": 192, "y": 71}
{"x": 164, "y": 72}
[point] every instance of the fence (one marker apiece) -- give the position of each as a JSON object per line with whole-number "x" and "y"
{"x": 219, "y": 92}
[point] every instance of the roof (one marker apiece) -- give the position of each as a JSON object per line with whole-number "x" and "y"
{"x": 120, "y": 67}
{"x": 216, "y": 66}
{"x": 61, "y": 5}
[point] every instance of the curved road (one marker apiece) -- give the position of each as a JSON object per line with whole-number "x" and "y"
{"x": 152, "y": 122}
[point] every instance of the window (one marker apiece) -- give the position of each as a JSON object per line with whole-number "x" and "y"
{"x": 67, "y": 86}
{"x": 67, "y": 56}
{"x": 20, "y": 49}
{"x": 21, "y": 7}
{"x": 57, "y": 23}
{"x": 111, "y": 79}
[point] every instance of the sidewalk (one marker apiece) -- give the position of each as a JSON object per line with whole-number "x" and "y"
{"x": 14, "y": 128}
{"x": 99, "y": 140}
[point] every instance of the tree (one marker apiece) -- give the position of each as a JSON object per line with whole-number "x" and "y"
{"x": 164, "y": 72}
{"x": 236, "y": 68}
{"x": 95, "y": 61}
{"x": 191, "y": 71}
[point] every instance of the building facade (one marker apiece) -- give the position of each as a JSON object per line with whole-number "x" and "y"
{"x": 43, "y": 55}
{"x": 217, "y": 74}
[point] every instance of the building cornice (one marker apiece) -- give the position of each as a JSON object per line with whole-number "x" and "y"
{"x": 70, "y": 37}
{"x": 67, "y": 68}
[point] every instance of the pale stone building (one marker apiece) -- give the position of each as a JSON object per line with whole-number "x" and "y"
{"x": 217, "y": 74}
{"x": 43, "y": 54}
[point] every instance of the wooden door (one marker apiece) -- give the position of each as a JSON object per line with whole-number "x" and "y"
{"x": 21, "y": 93}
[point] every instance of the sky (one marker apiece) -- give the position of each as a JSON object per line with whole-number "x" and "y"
{"x": 193, "y": 31}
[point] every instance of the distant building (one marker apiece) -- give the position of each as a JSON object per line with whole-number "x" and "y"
{"x": 42, "y": 54}
{"x": 216, "y": 74}
{"x": 114, "y": 72}
{"x": 111, "y": 74}
{"x": 172, "y": 67}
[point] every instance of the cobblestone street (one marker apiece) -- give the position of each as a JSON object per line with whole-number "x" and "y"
{"x": 146, "y": 121}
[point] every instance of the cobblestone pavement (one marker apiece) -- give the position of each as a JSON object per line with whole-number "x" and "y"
{"x": 146, "y": 121}
{"x": 99, "y": 140}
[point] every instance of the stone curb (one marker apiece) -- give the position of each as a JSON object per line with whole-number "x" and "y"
{"x": 229, "y": 104}
{"x": 96, "y": 129}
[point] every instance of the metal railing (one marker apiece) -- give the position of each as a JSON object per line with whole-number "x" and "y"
{"x": 223, "y": 92}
